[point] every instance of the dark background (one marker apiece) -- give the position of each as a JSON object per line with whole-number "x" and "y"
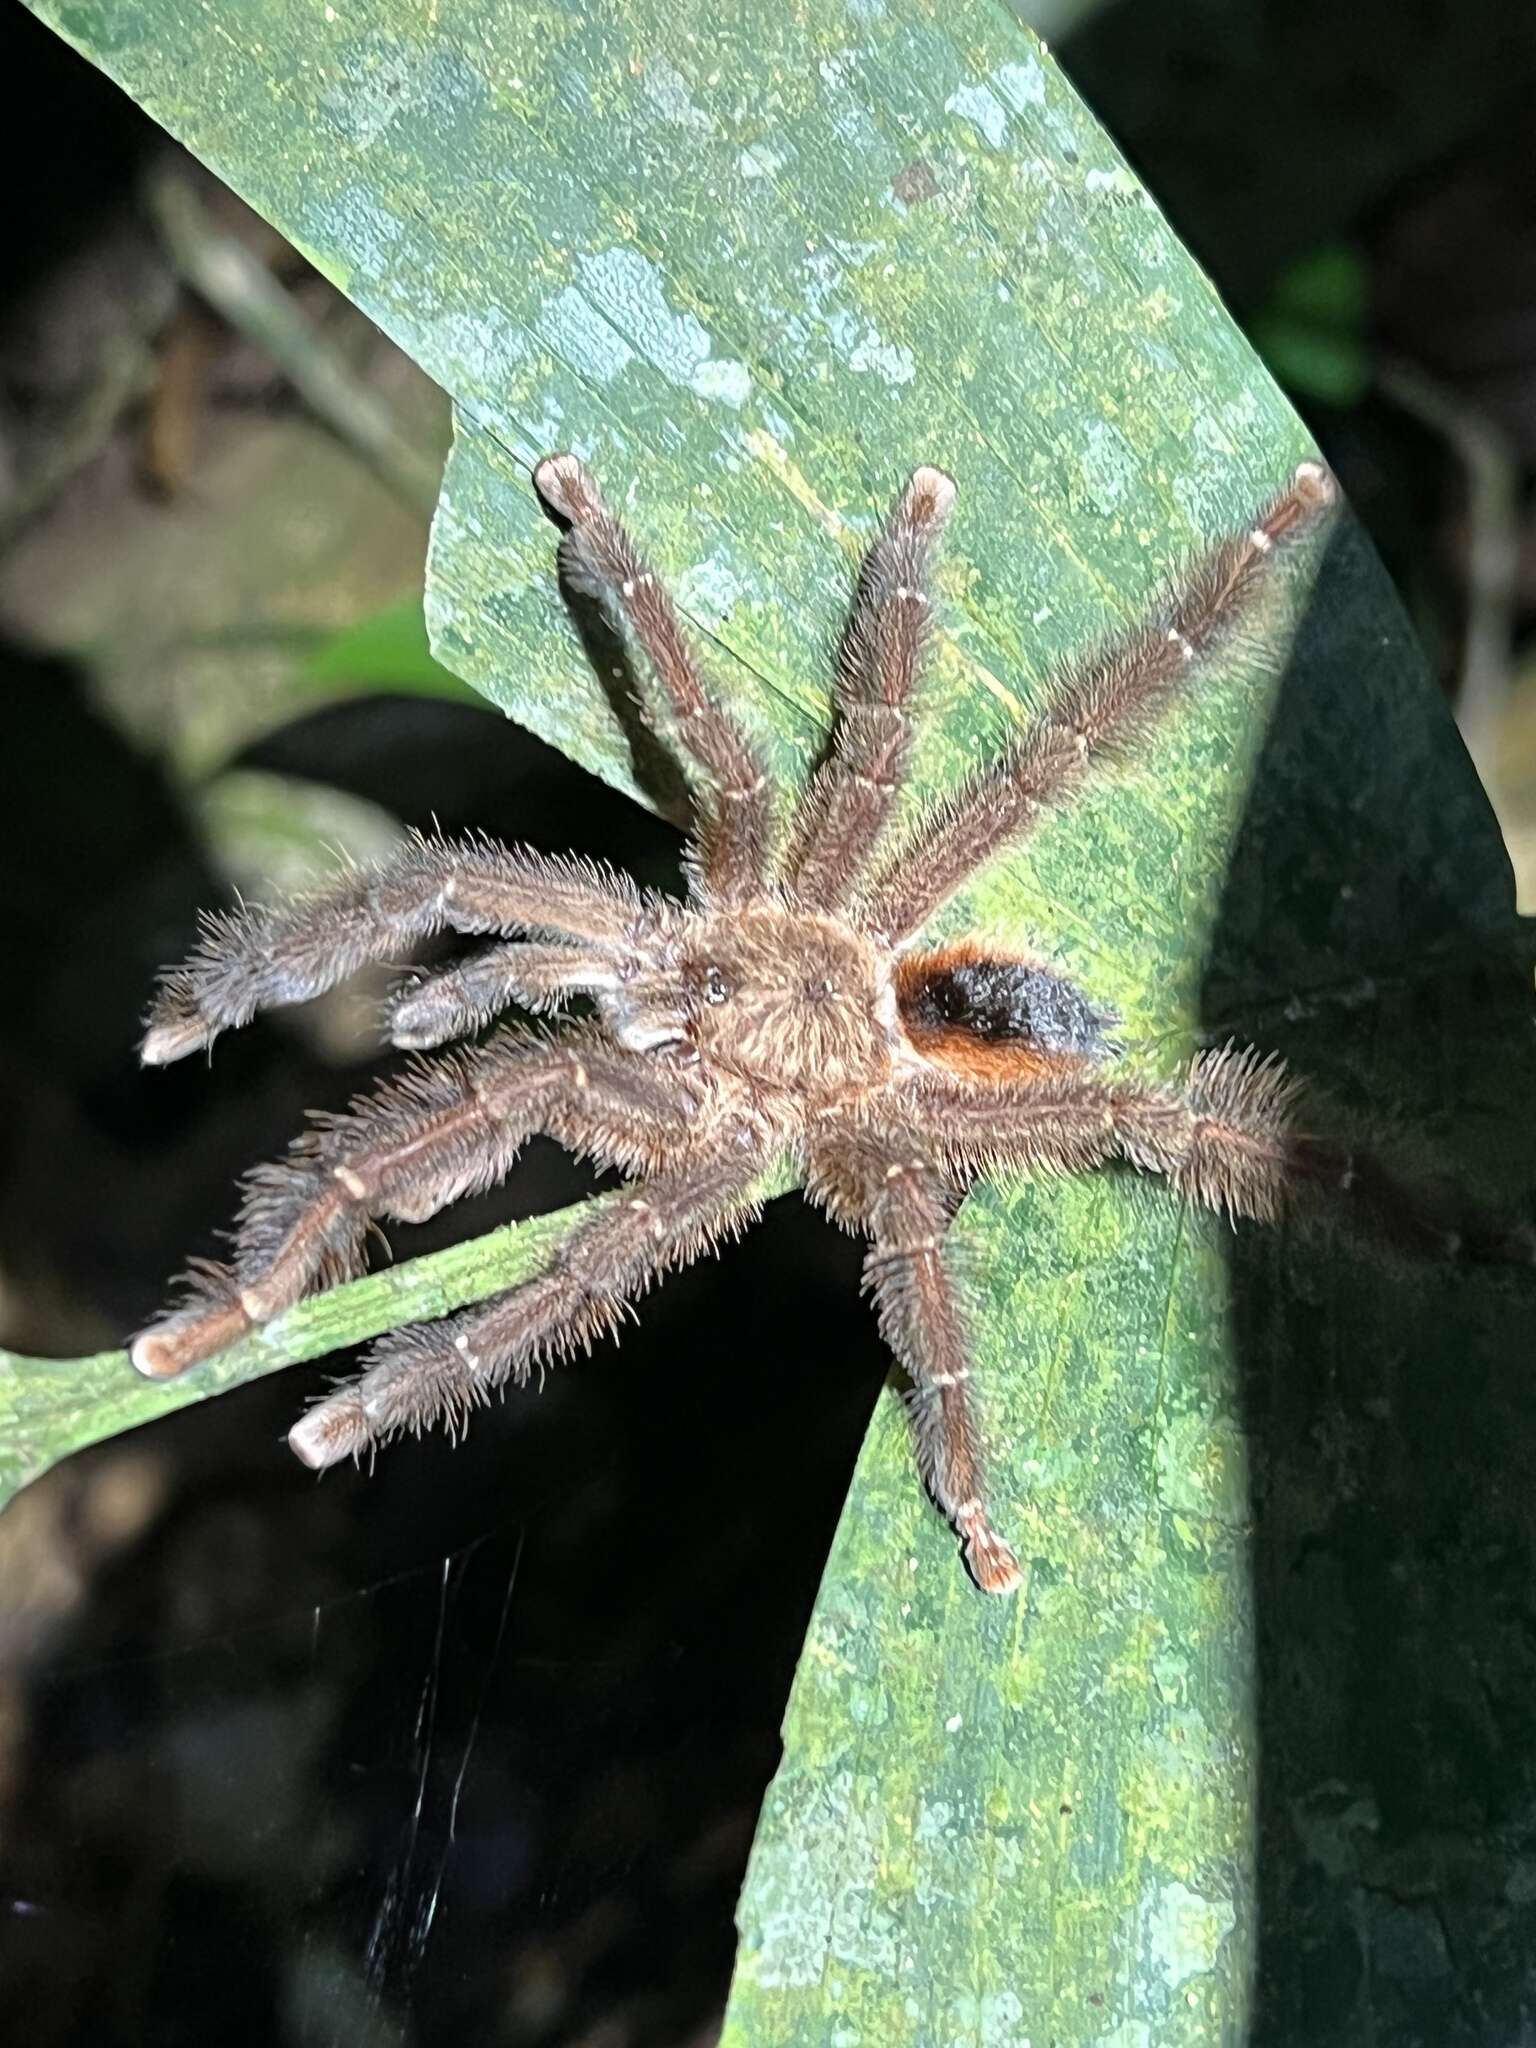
{"x": 470, "y": 1748}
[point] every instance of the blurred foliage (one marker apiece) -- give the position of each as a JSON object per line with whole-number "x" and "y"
{"x": 388, "y": 650}
{"x": 1312, "y": 328}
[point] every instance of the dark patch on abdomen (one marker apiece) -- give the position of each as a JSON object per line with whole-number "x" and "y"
{"x": 996, "y": 1002}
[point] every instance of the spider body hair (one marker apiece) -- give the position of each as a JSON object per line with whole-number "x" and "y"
{"x": 784, "y": 1007}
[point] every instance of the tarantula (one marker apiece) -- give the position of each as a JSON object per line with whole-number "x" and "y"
{"x": 786, "y": 1007}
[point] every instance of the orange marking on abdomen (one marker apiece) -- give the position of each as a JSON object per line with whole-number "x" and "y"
{"x": 993, "y": 1060}
{"x": 958, "y": 1009}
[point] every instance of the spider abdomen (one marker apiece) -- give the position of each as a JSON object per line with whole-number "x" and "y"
{"x": 987, "y": 1014}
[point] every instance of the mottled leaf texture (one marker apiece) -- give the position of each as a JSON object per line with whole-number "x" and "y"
{"x": 754, "y": 262}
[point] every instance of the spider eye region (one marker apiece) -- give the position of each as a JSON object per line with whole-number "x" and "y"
{"x": 785, "y": 1001}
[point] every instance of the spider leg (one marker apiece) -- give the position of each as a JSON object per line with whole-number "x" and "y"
{"x": 1227, "y": 1138}
{"x": 851, "y": 796}
{"x": 921, "y": 1319}
{"x": 447, "y": 1128}
{"x": 1230, "y": 1140}
{"x": 873, "y": 1182}
{"x": 456, "y": 1002}
{"x": 260, "y": 959}
{"x": 1096, "y": 708}
{"x": 441, "y": 1371}
{"x": 737, "y": 825}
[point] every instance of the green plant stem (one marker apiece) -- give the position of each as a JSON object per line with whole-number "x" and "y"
{"x": 52, "y": 1406}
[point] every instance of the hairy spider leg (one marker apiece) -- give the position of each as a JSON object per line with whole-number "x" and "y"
{"x": 441, "y": 1371}
{"x": 455, "y": 1002}
{"x": 849, "y": 799}
{"x": 449, "y": 1127}
{"x": 257, "y": 960}
{"x": 921, "y": 1319}
{"x": 1225, "y": 1137}
{"x": 1096, "y": 707}
{"x": 736, "y": 828}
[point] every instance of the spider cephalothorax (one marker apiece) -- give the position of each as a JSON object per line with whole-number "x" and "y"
{"x": 786, "y": 1007}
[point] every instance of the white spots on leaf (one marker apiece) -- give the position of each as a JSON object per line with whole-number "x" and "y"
{"x": 724, "y": 379}
{"x": 1210, "y": 436}
{"x": 1108, "y": 466}
{"x": 476, "y": 351}
{"x": 576, "y": 330}
{"x": 380, "y": 83}
{"x": 371, "y": 95}
{"x": 629, "y": 291}
{"x": 850, "y": 120}
{"x": 1170, "y": 1674}
{"x": 548, "y": 430}
{"x": 1010, "y": 88}
{"x": 994, "y": 2019}
{"x": 854, "y": 337}
{"x": 894, "y": 364}
{"x": 954, "y": 1724}
{"x": 1182, "y": 1933}
{"x": 983, "y": 109}
{"x": 761, "y": 160}
{"x": 1021, "y": 85}
{"x": 619, "y": 312}
{"x": 710, "y": 589}
{"x": 935, "y": 1823}
{"x": 365, "y": 230}
{"x": 1204, "y": 493}
{"x": 667, "y": 90}
{"x": 1117, "y": 183}
{"x": 813, "y": 1899}
{"x": 347, "y": 233}
{"x": 573, "y": 88}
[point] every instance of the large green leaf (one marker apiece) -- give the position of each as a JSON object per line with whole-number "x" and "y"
{"x": 755, "y": 261}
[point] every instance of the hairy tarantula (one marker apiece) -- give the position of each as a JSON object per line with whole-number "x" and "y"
{"x": 784, "y": 1008}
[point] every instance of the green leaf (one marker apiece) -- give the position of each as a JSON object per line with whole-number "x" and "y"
{"x": 387, "y": 651}
{"x": 1312, "y": 329}
{"x": 754, "y": 262}
{"x": 1330, "y": 287}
